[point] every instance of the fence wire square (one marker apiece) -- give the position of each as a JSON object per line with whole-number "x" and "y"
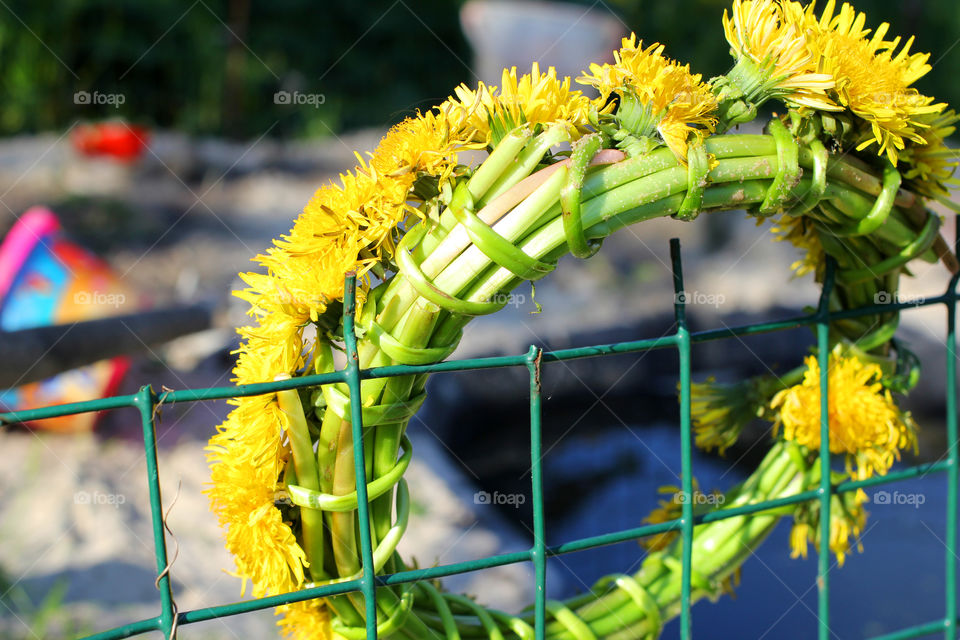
{"x": 147, "y": 402}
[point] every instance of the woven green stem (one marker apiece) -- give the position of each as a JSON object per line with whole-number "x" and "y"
{"x": 719, "y": 549}
{"x": 306, "y": 467}
{"x": 335, "y": 446}
{"x": 749, "y": 155}
{"x": 499, "y": 160}
{"x": 636, "y": 606}
{"x": 572, "y": 193}
{"x": 526, "y": 161}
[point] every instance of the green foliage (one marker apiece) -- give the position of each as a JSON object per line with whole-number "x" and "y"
{"x": 43, "y": 619}
{"x": 213, "y": 67}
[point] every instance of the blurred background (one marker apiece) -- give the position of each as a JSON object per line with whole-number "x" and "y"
{"x": 213, "y": 66}
{"x": 173, "y": 140}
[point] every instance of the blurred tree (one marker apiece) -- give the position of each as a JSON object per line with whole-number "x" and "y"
{"x": 213, "y": 67}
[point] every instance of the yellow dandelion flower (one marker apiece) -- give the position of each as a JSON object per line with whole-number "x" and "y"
{"x": 668, "y": 510}
{"x": 774, "y": 57}
{"x": 420, "y": 145}
{"x": 711, "y": 414}
{"x": 486, "y": 113}
{"x": 354, "y": 225}
{"x": 721, "y": 411}
{"x": 309, "y": 620}
{"x": 801, "y": 233}
{"x": 873, "y": 79}
{"x": 347, "y": 227}
{"x": 271, "y": 347}
{"x": 657, "y": 94}
{"x": 247, "y": 457}
{"x": 264, "y": 547}
{"x": 847, "y": 521}
{"x": 930, "y": 166}
{"x": 672, "y": 509}
{"x": 865, "y": 422}
{"x": 350, "y": 226}
{"x": 800, "y": 534}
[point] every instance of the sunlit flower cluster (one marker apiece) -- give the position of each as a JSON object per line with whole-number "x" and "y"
{"x": 771, "y": 41}
{"x": 349, "y": 226}
{"x": 847, "y": 521}
{"x": 873, "y": 78}
{"x": 247, "y": 459}
{"x": 865, "y": 422}
{"x": 485, "y": 114}
{"x": 677, "y": 104}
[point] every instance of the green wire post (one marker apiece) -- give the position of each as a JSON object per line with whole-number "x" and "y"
{"x": 538, "y": 553}
{"x": 146, "y": 403}
{"x": 368, "y": 580}
{"x": 825, "y": 490}
{"x": 686, "y": 462}
{"x": 953, "y": 477}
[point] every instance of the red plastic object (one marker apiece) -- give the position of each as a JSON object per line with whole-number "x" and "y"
{"x": 116, "y": 139}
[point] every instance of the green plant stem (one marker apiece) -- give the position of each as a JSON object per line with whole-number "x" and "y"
{"x": 415, "y": 332}
{"x": 311, "y": 520}
{"x": 719, "y": 549}
{"x": 755, "y": 158}
{"x": 471, "y": 262}
{"x": 335, "y": 446}
{"x": 342, "y": 523}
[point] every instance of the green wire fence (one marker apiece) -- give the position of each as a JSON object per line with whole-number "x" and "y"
{"x": 147, "y": 402}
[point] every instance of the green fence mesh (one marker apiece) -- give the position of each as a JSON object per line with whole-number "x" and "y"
{"x": 147, "y": 402}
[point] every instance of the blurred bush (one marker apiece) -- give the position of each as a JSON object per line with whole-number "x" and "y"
{"x": 213, "y": 67}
